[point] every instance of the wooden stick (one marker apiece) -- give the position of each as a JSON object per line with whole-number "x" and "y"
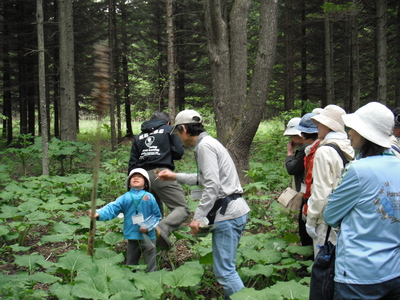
{"x": 100, "y": 104}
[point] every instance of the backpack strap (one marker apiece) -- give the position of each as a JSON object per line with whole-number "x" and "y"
{"x": 339, "y": 151}
{"x": 395, "y": 148}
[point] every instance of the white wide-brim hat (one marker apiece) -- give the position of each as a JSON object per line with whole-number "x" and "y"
{"x": 140, "y": 171}
{"x": 373, "y": 121}
{"x": 331, "y": 117}
{"x": 290, "y": 127}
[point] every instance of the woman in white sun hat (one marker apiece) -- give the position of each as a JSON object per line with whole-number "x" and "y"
{"x": 329, "y": 160}
{"x": 366, "y": 206}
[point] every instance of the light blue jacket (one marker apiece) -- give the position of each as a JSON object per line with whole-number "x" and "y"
{"x": 132, "y": 203}
{"x": 366, "y": 205}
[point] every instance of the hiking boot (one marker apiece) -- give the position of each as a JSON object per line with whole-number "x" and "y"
{"x": 162, "y": 239}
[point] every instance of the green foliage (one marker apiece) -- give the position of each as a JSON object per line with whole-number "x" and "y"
{"x": 50, "y": 210}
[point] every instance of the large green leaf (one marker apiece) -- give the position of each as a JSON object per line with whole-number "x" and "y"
{"x": 4, "y": 230}
{"x": 120, "y": 285}
{"x": 90, "y": 284}
{"x": 75, "y": 260}
{"x": 32, "y": 261}
{"x": 56, "y": 238}
{"x": 252, "y": 294}
{"x": 62, "y": 227}
{"x": 189, "y": 274}
{"x": 262, "y": 256}
{"x": 302, "y": 250}
{"x": 63, "y": 292}
{"x": 113, "y": 238}
{"x": 292, "y": 290}
{"x": 267, "y": 271}
{"x": 150, "y": 282}
{"x": 252, "y": 241}
{"x": 10, "y": 212}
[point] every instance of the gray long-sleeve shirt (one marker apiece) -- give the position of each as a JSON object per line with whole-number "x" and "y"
{"x": 217, "y": 174}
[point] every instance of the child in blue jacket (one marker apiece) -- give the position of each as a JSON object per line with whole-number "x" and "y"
{"x": 141, "y": 216}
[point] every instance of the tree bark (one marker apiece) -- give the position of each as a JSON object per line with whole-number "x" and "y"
{"x": 7, "y": 108}
{"x": 42, "y": 89}
{"x": 289, "y": 40}
{"x": 68, "y": 118}
{"x": 238, "y": 112}
{"x": 111, "y": 44}
{"x": 329, "y": 85}
{"x": 381, "y": 40}
{"x": 355, "y": 64}
{"x": 171, "y": 59}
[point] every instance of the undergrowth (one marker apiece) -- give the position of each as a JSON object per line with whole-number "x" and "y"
{"x": 45, "y": 228}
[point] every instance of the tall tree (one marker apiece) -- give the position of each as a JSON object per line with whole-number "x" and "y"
{"x": 42, "y": 88}
{"x": 329, "y": 79}
{"x": 68, "y": 119}
{"x": 381, "y": 42}
{"x": 289, "y": 61}
{"x": 7, "y": 108}
{"x": 171, "y": 58}
{"x": 355, "y": 63}
{"x": 239, "y": 108}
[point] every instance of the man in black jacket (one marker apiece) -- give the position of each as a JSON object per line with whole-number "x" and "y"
{"x": 154, "y": 149}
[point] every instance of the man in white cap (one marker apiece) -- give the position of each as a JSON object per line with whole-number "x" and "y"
{"x": 327, "y": 169}
{"x": 221, "y": 200}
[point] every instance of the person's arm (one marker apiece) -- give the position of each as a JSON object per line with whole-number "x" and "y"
{"x": 111, "y": 210}
{"x": 343, "y": 199}
{"x": 295, "y": 163}
{"x": 177, "y": 149}
{"x": 133, "y": 157}
{"x": 207, "y": 159}
{"x": 322, "y": 186}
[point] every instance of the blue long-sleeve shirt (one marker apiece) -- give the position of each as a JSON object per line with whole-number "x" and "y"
{"x": 131, "y": 204}
{"x": 366, "y": 205}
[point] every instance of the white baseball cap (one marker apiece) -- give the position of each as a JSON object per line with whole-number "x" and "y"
{"x": 290, "y": 127}
{"x": 187, "y": 116}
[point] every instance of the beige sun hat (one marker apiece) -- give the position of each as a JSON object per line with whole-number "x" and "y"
{"x": 290, "y": 127}
{"x": 373, "y": 121}
{"x": 331, "y": 117}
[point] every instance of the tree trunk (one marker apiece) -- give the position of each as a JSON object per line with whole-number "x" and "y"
{"x": 329, "y": 85}
{"x": 42, "y": 89}
{"x": 171, "y": 59}
{"x": 289, "y": 39}
{"x": 125, "y": 76}
{"x": 111, "y": 44}
{"x": 303, "y": 43}
{"x": 7, "y": 108}
{"x": 68, "y": 118}
{"x": 238, "y": 112}
{"x": 381, "y": 40}
{"x": 355, "y": 64}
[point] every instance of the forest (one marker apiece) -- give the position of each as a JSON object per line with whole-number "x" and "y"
{"x": 342, "y": 52}
{"x": 247, "y": 66}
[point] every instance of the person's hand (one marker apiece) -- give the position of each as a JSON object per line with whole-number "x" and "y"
{"x": 143, "y": 230}
{"x": 290, "y": 148}
{"x": 95, "y": 215}
{"x": 166, "y": 175}
{"x": 195, "y": 227}
{"x": 311, "y": 231}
